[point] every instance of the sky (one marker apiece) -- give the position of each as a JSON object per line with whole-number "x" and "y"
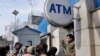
{"x": 22, "y": 6}
{"x": 6, "y": 9}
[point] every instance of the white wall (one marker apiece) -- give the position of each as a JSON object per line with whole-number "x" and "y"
{"x": 58, "y": 34}
{"x": 55, "y": 40}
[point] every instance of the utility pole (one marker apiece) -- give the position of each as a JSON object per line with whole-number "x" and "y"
{"x": 15, "y": 12}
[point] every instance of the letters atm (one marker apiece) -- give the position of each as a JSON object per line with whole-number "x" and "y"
{"x": 59, "y": 8}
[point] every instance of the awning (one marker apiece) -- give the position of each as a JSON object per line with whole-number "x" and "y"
{"x": 47, "y": 34}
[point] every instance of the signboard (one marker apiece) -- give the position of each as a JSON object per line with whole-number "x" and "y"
{"x": 58, "y": 12}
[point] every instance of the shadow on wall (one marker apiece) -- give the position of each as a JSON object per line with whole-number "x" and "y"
{"x": 96, "y": 27}
{"x": 77, "y": 31}
{"x": 91, "y": 29}
{"x": 96, "y": 22}
{"x": 77, "y": 28}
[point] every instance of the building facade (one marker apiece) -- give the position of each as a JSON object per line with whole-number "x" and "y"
{"x": 86, "y": 29}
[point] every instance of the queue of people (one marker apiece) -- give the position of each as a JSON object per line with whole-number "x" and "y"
{"x": 41, "y": 49}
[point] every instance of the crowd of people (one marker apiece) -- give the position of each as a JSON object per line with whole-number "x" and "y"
{"x": 40, "y": 50}
{"x": 19, "y": 50}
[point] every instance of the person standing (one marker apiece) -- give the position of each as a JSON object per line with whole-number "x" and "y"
{"x": 41, "y": 49}
{"x": 29, "y": 51}
{"x": 52, "y": 51}
{"x": 4, "y": 47}
{"x": 17, "y": 49}
{"x": 69, "y": 45}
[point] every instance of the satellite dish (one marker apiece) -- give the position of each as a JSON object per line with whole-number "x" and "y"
{"x": 58, "y": 12}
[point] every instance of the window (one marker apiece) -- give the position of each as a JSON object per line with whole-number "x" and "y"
{"x": 29, "y": 43}
{"x": 97, "y": 3}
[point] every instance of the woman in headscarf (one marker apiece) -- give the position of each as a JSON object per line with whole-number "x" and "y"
{"x": 17, "y": 51}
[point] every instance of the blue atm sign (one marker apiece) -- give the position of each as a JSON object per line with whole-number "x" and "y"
{"x": 58, "y": 12}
